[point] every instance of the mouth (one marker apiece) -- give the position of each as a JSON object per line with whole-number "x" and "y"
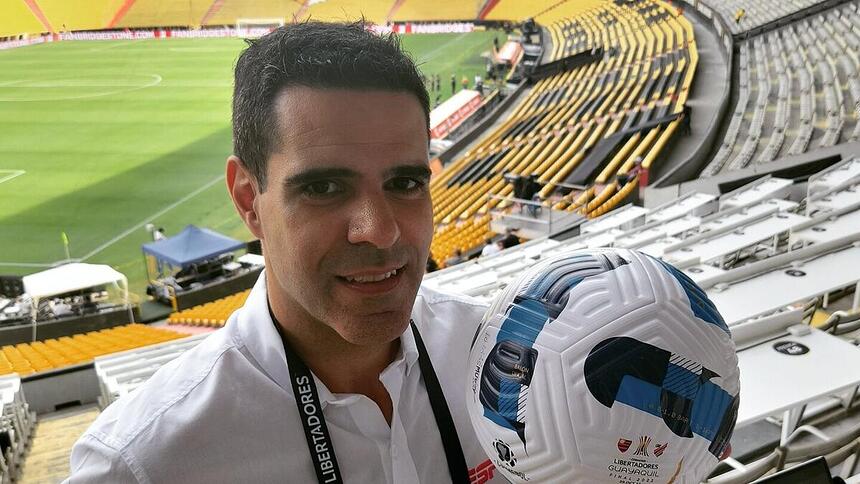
{"x": 374, "y": 281}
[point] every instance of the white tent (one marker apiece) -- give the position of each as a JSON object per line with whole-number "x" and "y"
{"x": 71, "y": 277}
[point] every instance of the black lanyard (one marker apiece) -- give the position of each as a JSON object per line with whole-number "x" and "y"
{"x": 321, "y": 447}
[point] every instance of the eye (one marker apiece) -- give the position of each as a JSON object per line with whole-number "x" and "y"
{"x": 405, "y": 184}
{"x": 321, "y": 188}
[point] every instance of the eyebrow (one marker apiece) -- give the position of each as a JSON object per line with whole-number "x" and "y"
{"x": 315, "y": 174}
{"x": 415, "y": 171}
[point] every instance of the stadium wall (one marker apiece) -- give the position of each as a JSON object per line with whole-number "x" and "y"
{"x": 49, "y": 390}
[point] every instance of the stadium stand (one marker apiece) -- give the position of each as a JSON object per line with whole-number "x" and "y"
{"x": 768, "y": 254}
{"x": 62, "y": 16}
{"x": 375, "y": 11}
{"x": 744, "y": 15}
{"x": 121, "y": 373}
{"x": 18, "y": 20}
{"x": 768, "y": 257}
{"x": 707, "y": 238}
{"x": 430, "y": 11}
{"x": 214, "y": 313}
{"x": 229, "y": 11}
{"x": 27, "y": 358}
{"x": 156, "y": 13}
{"x": 16, "y": 427}
{"x": 624, "y": 107}
{"x": 518, "y": 11}
{"x": 798, "y": 90}
{"x": 67, "y": 16}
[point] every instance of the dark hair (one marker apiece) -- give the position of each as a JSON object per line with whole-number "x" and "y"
{"x": 317, "y": 55}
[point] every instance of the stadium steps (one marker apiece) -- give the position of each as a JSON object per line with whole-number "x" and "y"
{"x": 52, "y": 441}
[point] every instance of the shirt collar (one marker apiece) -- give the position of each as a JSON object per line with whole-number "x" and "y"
{"x": 256, "y": 330}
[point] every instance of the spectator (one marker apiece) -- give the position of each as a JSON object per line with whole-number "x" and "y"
{"x": 455, "y": 259}
{"x": 531, "y": 186}
{"x": 490, "y": 247}
{"x": 510, "y": 239}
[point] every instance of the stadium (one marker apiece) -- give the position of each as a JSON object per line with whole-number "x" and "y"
{"x": 720, "y": 136}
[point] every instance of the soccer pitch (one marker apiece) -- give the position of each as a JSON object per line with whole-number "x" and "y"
{"x": 99, "y": 138}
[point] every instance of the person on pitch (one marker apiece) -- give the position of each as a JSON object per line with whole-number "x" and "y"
{"x": 339, "y": 367}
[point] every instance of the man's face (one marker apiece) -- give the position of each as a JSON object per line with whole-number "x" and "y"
{"x": 346, "y": 216}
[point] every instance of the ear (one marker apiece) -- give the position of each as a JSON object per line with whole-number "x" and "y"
{"x": 243, "y": 190}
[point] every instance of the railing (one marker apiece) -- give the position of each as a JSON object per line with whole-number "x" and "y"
{"x": 532, "y": 219}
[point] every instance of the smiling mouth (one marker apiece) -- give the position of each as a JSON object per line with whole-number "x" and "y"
{"x": 372, "y": 278}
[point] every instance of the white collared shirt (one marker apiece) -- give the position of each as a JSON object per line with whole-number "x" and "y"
{"x": 224, "y": 411}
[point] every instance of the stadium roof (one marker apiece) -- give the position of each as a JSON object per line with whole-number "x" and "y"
{"x": 193, "y": 244}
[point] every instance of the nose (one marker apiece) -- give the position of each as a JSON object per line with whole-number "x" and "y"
{"x": 374, "y": 222}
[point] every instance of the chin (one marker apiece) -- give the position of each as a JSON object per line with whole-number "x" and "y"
{"x": 375, "y": 329}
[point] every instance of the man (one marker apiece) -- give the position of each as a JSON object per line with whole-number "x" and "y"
{"x": 320, "y": 377}
{"x": 510, "y": 239}
{"x": 490, "y": 247}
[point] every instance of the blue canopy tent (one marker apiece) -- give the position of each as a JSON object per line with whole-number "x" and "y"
{"x": 192, "y": 245}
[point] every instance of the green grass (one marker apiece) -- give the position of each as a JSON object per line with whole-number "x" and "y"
{"x": 113, "y": 134}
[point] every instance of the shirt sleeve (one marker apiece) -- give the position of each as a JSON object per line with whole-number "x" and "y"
{"x": 93, "y": 461}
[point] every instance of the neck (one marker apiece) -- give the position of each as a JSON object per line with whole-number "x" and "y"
{"x": 342, "y": 366}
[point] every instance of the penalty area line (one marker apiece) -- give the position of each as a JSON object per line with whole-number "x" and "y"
{"x": 149, "y": 219}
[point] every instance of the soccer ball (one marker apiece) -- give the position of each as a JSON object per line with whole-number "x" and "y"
{"x": 603, "y": 366}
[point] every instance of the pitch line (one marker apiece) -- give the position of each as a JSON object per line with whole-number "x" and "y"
{"x": 149, "y": 219}
{"x": 121, "y": 43}
{"x": 25, "y": 264}
{"x": 438, "y": 50}
{"x": 155, "y": 79}
{"x": 11, "y": 174}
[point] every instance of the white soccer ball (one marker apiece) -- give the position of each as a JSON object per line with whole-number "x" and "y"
{"x": 603, "y": 366}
